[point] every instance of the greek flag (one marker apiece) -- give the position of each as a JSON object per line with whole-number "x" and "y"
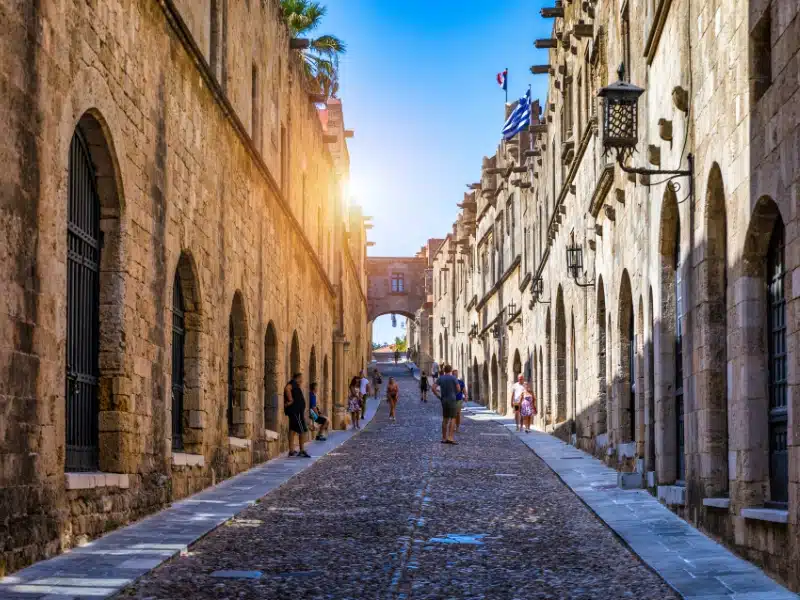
{"x": 520, "y": 118}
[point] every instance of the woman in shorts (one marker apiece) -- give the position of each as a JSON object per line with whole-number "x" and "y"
{"x": 392, "y": 390}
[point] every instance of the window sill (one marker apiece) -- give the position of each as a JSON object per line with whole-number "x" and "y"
{"x": 722, "y": 503}
{"x": 772, "y": 515}
{"x": 180, "y": 459}
{"x": 90, "y": 481}
{"x": 235, "y": 442}
{"x": 672, "y": 495}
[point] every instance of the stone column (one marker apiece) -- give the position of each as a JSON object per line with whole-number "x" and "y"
{"x": 339, "y": 385}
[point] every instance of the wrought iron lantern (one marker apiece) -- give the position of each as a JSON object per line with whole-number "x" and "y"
{"x": 574, "y": 260}
{"x": 497, "y": 330}
{"x": 621, "y": 131}
{"x": 442, "y": 321}
{"x": 621, "y": 115}
{"x": 394, "y": 320}
{"x": 537, "y": 287}
{"x": 473, "y": 330}
{"x": 512, "y": 307}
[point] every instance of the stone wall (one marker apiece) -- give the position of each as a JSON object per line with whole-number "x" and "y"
{"x": 212, "y": 171}
{"x": 671, "y": 301}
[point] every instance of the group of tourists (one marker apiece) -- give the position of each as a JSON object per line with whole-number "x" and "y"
{"x": 523, "y": 402}
{"x": 294, "y": 407}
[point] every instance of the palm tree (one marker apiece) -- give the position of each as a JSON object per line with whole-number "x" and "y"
{"x": 321, "y": 58}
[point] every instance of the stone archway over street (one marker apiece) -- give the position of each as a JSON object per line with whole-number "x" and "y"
{"x": 395, "y": 285}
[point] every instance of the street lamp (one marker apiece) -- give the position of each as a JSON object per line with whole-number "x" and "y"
{"x": 621, "y": 131}
{"x": 537, "y": 289}
{"x": 512, "y": 307}
{"x": 575, "y": 264}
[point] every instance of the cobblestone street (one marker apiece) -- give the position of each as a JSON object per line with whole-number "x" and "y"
{"x": 395, "y": 514}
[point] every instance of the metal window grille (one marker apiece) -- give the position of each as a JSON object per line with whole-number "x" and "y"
{"x": 83, "y": 314}
{"x": 178, "y": 344}
{"x": 778, "y": 415}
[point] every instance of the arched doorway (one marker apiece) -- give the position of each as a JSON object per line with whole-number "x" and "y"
{"x": 573, "y": 378}
{"x": 602, "y": 384}
{"x": 312, "y": 367}
{"x": 486, "y": 395}
{"x": 475, "y": 390}
{"x": 561, "y": 358}
{"x": 712, "y": 311}
{"x": 626, "y": 388}
{"x": 517, "y": 368}
{"x": 669, "y": 401}
{"x": 495, "y": 385}
{"x": 294, "y": 356}
{"x": 271, "y": 396}
{"x": 325, "y": 393}
{"x": 548, "y": 380}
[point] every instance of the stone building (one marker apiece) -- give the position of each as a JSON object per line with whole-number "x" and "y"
{"x": 670, "y": 350}
{"x": 174, "y": 245}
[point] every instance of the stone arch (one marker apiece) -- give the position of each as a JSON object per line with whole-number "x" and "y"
{"x": 625, "y": 385}
{"x": 238, "y": 369}
{"x": 712, "y": 335}
{"x": 561, "y": 358}
{"x": 602, "y": 382}
{"x": 495, "y": 384}
{"x": 440, "y": 357}
{"x": 272, "y": 398}
{"x": 187, "y": 393}
{"x": 669, "y": 391}
{"x": 94, "y": 305}
{"x": 294, "y": 356}
{"x": 517, "y": 365}
{"x": 542, "y": 407}
{"x": 762, "y": 362}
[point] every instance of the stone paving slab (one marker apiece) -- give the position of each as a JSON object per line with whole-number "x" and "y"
{"x": 111, "y": 562}
{"x": 693, "y": 564}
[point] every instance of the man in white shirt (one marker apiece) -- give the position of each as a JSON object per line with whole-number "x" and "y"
{"x": 435, "y": 370}
{"x": 363, "y": 390}
{"x": 517, "y": 390}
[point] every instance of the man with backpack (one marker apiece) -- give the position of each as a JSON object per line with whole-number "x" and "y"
{"x": 294, "y": 407}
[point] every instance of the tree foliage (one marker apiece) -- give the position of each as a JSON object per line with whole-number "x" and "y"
{"x": 321, "y": 59}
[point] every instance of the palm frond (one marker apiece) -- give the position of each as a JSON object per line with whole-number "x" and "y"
{"x": 302, "y": 16}
{"x": 328, "y": 44}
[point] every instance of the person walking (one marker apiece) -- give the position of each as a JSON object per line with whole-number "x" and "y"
{"x": 363, "y": 389}
{"x": 435, "y": 371}
{"x": 460, "y": 397}
{"x": 517, "y": 390}
{"x": 527, "y": 408}
{"x": 377, "y": 380}
{"x": 392, "y": 390}
{"x": 354, "y": 403}
{"x": 446, "y": 389}
{"x": 316, "y": 416}
{"x": 423, "y": 387}
{"x": 294, "y": 406}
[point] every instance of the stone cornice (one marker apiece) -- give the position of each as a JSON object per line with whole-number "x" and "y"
{"x": 179, "y": 27}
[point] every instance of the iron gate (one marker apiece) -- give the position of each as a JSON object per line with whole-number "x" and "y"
{"x": 178, "y": 341}
{"x": 83, "y": 300}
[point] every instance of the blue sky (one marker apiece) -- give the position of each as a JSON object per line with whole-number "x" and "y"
{"x": 418, "y": 87}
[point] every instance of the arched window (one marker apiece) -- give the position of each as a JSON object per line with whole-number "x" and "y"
{"x": 776, "y": 355}
{"x": 229, "y": 410}
{"x": 178, "y": 367}
{"x": 83, "y": 310}
{"x": 238, "y": 369}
